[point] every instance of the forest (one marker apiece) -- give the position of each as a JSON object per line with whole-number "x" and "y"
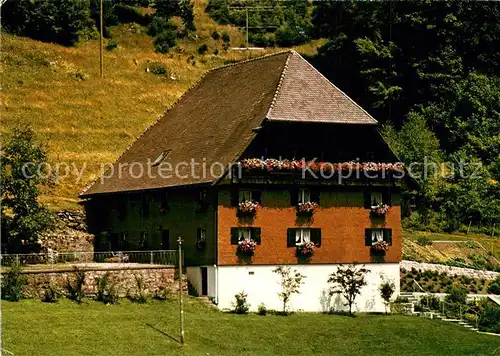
{"x": 429, "y": 72}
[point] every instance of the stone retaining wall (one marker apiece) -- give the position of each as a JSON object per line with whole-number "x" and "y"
{"x": 459, "y": 271}
{"x": 66, "y": 241}
{"x": 125, "y": 279}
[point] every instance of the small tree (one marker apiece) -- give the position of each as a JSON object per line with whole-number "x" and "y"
{"x": 387, "y": 289}
{"x": 290, "y": 283}
{"x": 348, "y": 282}
{"x": 13, "y": 283}
{"x": 23, "y": 218}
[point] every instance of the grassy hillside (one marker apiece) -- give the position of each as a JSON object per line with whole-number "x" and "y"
{"x": 87, "y": 121}
{"x": 447, "y": 247}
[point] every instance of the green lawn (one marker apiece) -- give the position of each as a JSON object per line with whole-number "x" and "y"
{"x": 35, "y": 328}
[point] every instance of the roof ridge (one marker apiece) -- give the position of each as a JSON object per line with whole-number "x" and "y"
{"x": 249, "y": 60}
{"x": 280, "y": 82}
{"x": 337, "y": 88}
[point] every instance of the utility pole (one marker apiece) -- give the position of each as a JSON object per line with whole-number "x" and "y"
{"x": 247, "y": 26}
{"x": 101, "y": 20}
{"x": 181, "y": 306}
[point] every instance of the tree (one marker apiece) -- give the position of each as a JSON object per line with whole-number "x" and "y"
{"x": 348, "y": 281}
{"x": 22, "y": 172}
{"x": 387, "y": 289}
{"x": 290, "y": 283}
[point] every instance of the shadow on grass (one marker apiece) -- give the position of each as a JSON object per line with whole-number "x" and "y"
{"x": 164, "y": 333}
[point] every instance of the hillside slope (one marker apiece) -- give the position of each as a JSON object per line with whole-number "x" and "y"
{"x": 85, "y": 121}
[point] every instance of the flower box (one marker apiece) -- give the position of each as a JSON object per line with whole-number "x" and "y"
{"x": 305, "y": 249}
{"x": 380, "y": 246}
{"x": 248, "y": 207}
{"x": 246, "y": 247}
{"x": 380, "y": 210}
{"x": 307, "y": 208}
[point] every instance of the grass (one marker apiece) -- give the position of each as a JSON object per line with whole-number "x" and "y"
{"x": 31, "y": 327}
{"x": 86, "y": 121}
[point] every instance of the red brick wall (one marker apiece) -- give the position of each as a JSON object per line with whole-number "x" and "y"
{"x": 341, "y": 217}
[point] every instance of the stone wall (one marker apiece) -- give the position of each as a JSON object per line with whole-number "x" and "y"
{"x": 66, "y": 241}
{"x": 125, "y": 279}
{"x": 459, "y": 271}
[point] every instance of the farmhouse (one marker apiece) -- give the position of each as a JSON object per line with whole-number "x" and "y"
{"x": 261, "y": 163}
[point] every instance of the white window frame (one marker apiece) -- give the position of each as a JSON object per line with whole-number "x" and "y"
{"x": 302, "y": 236}
{"x": 244, "y": 195}
{"x": 304, "y": 195}
{"x": 244, "y": 234}
{"x": 375, "y": 199}
{"x": 203, "y": 233}
{"x": 377, "y": 235}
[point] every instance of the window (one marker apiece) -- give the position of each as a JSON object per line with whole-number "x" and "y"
{"x": 145, "y": 204}
{"x": 165, "y": 239}
{"x": 244, "y": 195}
{"x": 376, "y": 199}
{"x": 374, "y": 235}
{"x": 304, "y": 195}
{"x": 245, "y": 233}
{"x": 124, "y": 241}
{"x": 164, "y": 201}
{"x": 302, "y": 236}
{"x": 297, "y": 236}
{"x": 202, "y": 197}
{"x": 241, "y": 195}
{"x": 201, "y": 233}
{"x": 143, "y": 241}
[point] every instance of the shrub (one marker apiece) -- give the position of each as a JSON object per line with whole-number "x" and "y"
{"x": 75, "y": 288}
{"x": 261, "y": 309}
{"x": 400, "y": 299}
{"x": 424, "y": 241}
{"x": 50, "y": 294}
{"x": 215, "y": 35}
{"x": 161, "y": 294}
{"x": 489, "y": 319}
{"x": 158, "y": 68}
{"x": 386, "y": 291}
{"x": 457, "y": 295}
{"x": 430, "y": 302}
{"x": 494, "y": 287}
{"x": 111, "y": 45}
{"x": 165, "y": 40}
{"x": 289, "y": 35}
{"x": 106, "y": 289}
{"x": 160, "y": 24}
{"x": 240, "y": 304}
{"x": 129, "y": 14}
{"x": 225, "y": 37}
{"x": 140, "y": 295}
{"x": 13, "y": 283}
{"x": 202, "y": 49}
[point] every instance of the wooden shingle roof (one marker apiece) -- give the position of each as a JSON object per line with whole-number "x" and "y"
{"x": 214, "y": 121}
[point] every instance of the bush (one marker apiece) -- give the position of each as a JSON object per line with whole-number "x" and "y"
{"x": 225, "y": 37}
{"x": 165, "y": 41}
{"x": 494, "y": 287}
{"x": 261, "y": 309}
{"x": 159, "y": 25}
{"x": 457, "y": 295}
{"x": 111, "y": 45}
{"x": 261, "y": 40}
{"x": 50, "y": 294}
{"x": 75, "y": 288}
{"x": 203, "y": 49}
{"x": 240, "y": 304}
{"x": 13, "y": 283}
{"x": 161, "y": 294}
{"x": 129, "y": 14}
{"x": 106, "y": 289}
{"x": 424, "y": 241}
{"x": 430, "y": 302}
{"x": 140, "y": 295}
{"x": 489, "y": 319}
{"x": 158, "y": 68}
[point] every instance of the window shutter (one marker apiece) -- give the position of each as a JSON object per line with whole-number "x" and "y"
{"x": 316, "y": 236}
{"x": 234, "y": 197}
{"x": 315, "y": 195}
{"x": 386, "y": 198}
{"x": 290, "y": 241}
{"x": 388, "y": 236}
{"x": 368, "y": 237}
{"x": 294, "y": 197}
{"x": 256, "y": 196}
{"x": 368, "y": 202}
{"x": 234, "y": 236}
{"x": 256, "y": 235}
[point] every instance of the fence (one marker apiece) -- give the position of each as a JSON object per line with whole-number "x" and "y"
{"x": 54, "y": 260}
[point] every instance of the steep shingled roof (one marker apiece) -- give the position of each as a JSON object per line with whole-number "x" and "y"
{"x": 214, "y": 120}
